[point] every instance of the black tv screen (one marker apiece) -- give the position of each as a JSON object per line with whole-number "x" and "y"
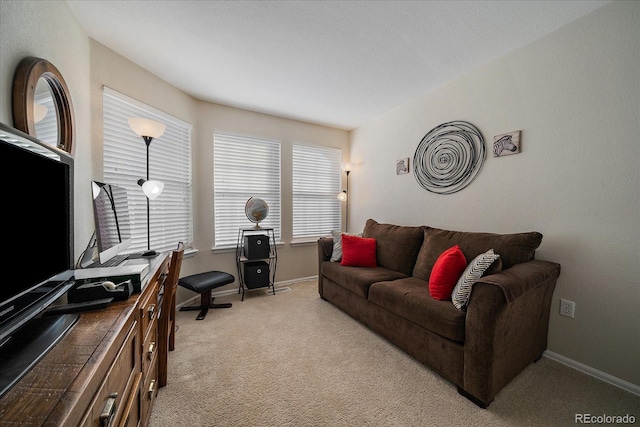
{"x": 37, "y": 196}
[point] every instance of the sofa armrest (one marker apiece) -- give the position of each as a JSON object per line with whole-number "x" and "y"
{"x": 325, "y": 249}
{"x": 506, "y": 326}
{"x": 522, "y": 278}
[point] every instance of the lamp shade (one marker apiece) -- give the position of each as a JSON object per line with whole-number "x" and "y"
{"x": 39, "y": 112}
{"x": 147, "y": 127}
{"x": 342, "y": 196}
{"x": 151, "y": 189}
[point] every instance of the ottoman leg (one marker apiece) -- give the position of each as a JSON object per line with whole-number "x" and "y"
{"x": 220, "y": 305}
{"x": 203, "y": 307}
{"x": 206, "y": 302}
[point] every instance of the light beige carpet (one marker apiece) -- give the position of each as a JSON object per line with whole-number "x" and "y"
{"x": 292, "y": 359}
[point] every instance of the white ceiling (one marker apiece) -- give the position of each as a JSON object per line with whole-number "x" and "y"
{"x": 337, "y": 63}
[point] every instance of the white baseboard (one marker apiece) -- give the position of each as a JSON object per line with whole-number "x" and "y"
{"x": 196, "y": 299}
{"x": 298, "y": 280}
{"x": 603, "y": 376}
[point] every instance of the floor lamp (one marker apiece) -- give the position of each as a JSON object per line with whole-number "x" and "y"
{"x": 343, "y": 197}
{"x": 148, "y": 129}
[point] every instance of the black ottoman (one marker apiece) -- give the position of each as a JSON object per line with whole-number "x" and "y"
{"x": 203, "y": 283}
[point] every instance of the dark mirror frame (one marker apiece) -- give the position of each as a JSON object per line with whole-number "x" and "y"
{"x": 29, "y": 71}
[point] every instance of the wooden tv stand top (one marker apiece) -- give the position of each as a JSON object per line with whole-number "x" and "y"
{"x": 108, "y": 357}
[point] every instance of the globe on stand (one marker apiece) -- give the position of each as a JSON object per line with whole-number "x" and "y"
{"x": 256, "y": 210}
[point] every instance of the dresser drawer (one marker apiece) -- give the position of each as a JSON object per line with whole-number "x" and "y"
{"x": 149, "y": 309}
{"x": 150, "y": 349}
{"x": 132, "y": 411}
{"x": 119, "y": 386}
{"x": 149, "y": 390}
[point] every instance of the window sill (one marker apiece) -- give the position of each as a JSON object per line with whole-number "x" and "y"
{"x": 304, "y": 242}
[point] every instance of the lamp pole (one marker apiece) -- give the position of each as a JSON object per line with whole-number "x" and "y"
{"x": 147, "y": 141}
{"x": 346, "y": 221}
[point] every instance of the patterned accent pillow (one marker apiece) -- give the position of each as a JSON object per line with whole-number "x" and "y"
{"x": 336, "y": 255}
{"x": 476, "y": 268}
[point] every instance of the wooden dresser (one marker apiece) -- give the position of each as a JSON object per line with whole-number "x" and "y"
{"x": 104, "y": 371}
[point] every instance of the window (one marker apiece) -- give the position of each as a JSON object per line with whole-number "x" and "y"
{"x": 244, "y": 167}
{"x": 316, "y": 184}
{"x": 171, "y": 214}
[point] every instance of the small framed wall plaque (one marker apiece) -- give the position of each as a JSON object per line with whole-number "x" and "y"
{"x": 402, "y": 166}
{"x": 506, "y": 144}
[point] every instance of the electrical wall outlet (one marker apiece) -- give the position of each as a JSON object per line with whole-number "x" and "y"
{"x": 567, "y": 308}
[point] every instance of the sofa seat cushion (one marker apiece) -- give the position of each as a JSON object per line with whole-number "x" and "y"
{"x": 409, "y": 298}
{"x": 357, "y": 279}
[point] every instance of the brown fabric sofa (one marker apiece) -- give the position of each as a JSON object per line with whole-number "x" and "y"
{"x": 503, "y": 329}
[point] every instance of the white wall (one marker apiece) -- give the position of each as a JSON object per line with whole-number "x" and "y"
{"x": 576, "y": 97}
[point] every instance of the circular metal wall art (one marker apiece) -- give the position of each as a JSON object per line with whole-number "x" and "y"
{"x": 449, "y": 157}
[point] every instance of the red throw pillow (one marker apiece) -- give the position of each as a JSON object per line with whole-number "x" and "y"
{"x": 445, "y": 273}
{"x": 358, "y": 251}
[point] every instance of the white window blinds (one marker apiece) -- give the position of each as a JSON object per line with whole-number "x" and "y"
{"x": 316, "y": 184}
{"x": 171, "y": 214}
{"x": 244, "y": 167}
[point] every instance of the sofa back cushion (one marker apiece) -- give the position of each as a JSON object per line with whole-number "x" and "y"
{"x": 397, "y": 245}
{"x": 512, "y": 248}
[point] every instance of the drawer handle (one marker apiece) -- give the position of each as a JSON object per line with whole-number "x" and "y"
{"x": 109, "y": 411}
{"x": 152, "y": 387}
{"x": 152, "y": 348}
{"x": 152, "y": 311}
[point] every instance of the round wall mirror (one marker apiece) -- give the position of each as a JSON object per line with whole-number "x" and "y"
{"x": 41, "y": 103}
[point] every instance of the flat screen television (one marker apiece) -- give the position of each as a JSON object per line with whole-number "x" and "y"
{"x": 111, "y": 217}
{"x": 36, "y": 185}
